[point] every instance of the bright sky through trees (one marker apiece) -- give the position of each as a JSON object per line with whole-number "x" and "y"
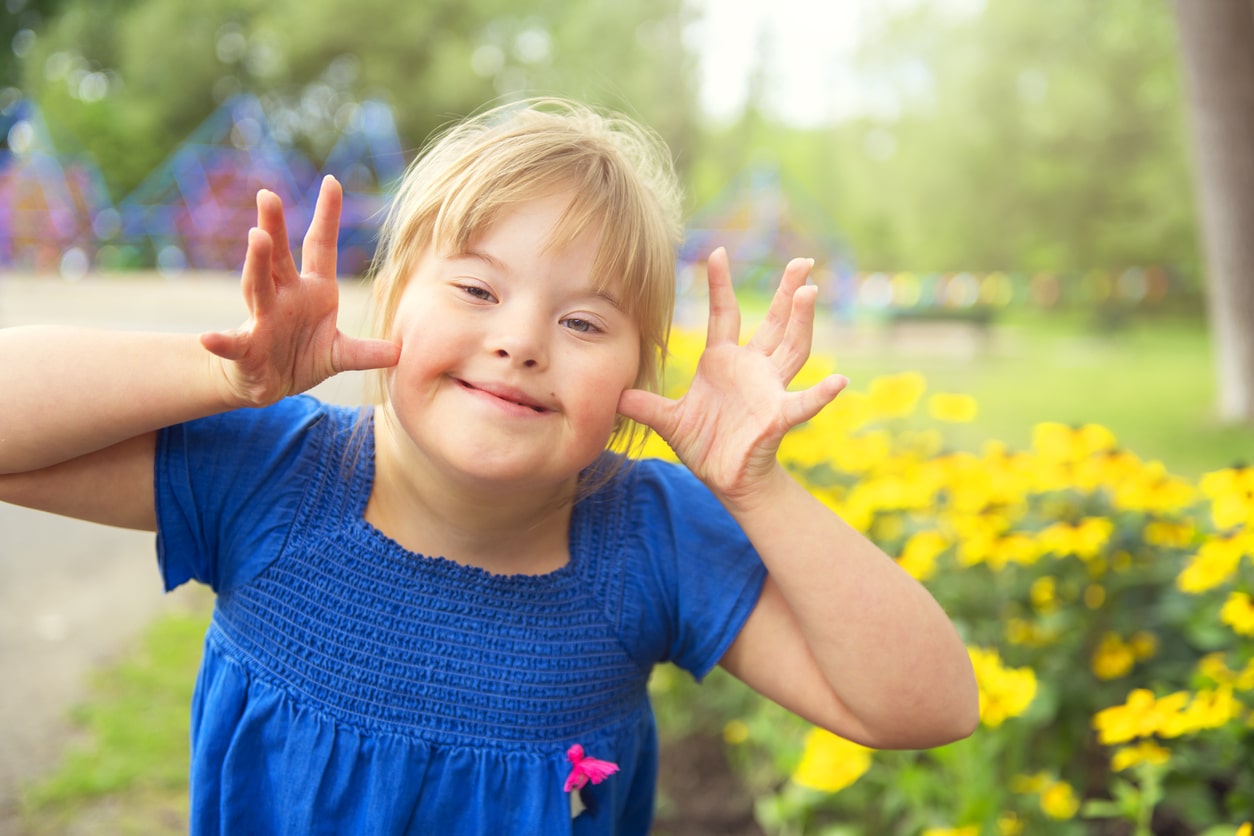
{"x": 807, "y": 48}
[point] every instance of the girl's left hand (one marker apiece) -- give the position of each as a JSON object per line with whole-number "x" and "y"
{"x": 728, "y": 426}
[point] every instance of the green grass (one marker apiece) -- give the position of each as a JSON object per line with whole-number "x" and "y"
{"x": 1151, "y": 383}
{"x": 131, "y": 769}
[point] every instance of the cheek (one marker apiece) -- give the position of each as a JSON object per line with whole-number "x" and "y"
{"x": 424, "y": 360}
{"x": 600, "y": 393}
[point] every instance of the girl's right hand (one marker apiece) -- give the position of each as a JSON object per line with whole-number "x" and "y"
{"x": 291, "y": 341}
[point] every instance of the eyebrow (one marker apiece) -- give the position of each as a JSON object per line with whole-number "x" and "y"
{"x": 477, "y": 255}
{"x": 609, "y": 297}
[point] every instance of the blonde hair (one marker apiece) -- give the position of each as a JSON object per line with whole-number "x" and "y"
{"x": 623, "y": 187}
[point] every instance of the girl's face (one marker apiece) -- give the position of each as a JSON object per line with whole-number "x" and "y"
{"x": 512, "y": 362}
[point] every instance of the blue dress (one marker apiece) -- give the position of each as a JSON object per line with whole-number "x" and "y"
{"x": 351, "y": 686}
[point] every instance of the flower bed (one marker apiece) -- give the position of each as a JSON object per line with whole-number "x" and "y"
{"x": 1107, "y": 608}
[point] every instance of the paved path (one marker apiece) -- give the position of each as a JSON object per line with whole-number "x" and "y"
{"x": 74, "y": 595}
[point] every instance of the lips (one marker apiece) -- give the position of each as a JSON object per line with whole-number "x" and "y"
{"x": 507, "y": 394}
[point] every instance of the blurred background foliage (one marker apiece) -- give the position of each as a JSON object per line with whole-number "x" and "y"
{"x": 128, "y": 80}
{"x": 1022, "y": 136}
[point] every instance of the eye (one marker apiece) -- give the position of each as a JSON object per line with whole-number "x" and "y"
{"x": 583, "y": 326}
{"x": 477, "y": 292}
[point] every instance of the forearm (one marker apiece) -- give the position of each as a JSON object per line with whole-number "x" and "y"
{"x": 72, "y": 391}
{"x": 886, "y": 648}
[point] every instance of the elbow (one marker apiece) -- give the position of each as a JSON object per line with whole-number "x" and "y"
{"x": 962, "y": 724}
{"x": 938, "y": 720}
{"x": 941, "y": 733}
{"x": 959, "y": 716}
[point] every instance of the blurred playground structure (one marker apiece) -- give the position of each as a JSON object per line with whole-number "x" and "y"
{"x": 192, "y": 212}
{"x": 57, "y": 217}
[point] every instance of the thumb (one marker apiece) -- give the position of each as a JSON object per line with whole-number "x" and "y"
{"x": 229, "y": 345}
{"x": 804, "y": 405}
{"x": 646, "y": 408}
{"x": 357, "y": 354}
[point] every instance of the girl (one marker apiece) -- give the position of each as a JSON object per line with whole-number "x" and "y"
{"x": 439, "y": 614}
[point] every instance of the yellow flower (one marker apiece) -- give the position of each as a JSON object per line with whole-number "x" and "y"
{"x": 1044, "y": 594}
{"x": 1014, "y": 547}
{"x": 1112, "y": 658}
{"x": 850, "y": 412}
{"x": 923, "y": 444}
{"x": 1060, "y": 443}
{"x": 1213, "y": 667}
{"x": 896, "y": 395}
{"x": 1004, "y": 692}
{"x": 735, "y": 732}
{"x": 1246, "y": 829}
{"x": 958, "y": 409}
{"x": 1153, "y": 489}
{"x": 830, "y": 763}
{"x": 863, "y": 452}
{"x": 815, "y": 370}
{"x": 1229, "y": 480}
{"x": 1171, "y": 534}
{"x": 1244, "y": 681}
{"x": 1058, "y": 801}
{"x": 969, "y": 830}
{"x": 1142, "y": 715}
{"x": 1029, "y": 634}
{"x": 1084, "y": 539}
{"x": 662, "y": 679}
{"x": 1232, "y": 510}
{"x": 1231, "y": 492}
{"x": 1107, "y": 469}
{"x": 1208, "y": 709}
{"x": 806, "y": 446}
{"x": 1030, "y": 784}
{"x": 918, "y": 556}
{"x": 654, "y": 448}
{"x": 1214, "y": 563}
{"x": 1009, "y": 824}
{"x": 1238, "y": 613}
{"x": 1094, "y": 596}
{"x": 1147, "y": 751}
{"x": 1144, "y": 644}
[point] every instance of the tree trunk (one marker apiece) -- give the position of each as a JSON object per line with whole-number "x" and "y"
{"x": 1217, "y": 46}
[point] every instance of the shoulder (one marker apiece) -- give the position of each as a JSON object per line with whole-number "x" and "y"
{"x": 290, "y": 416}
{"x": 229, "y": 483}
{"x": 658, "y": 490}
{"x": 685, "y": 575}
{"x": 262, "y": 432}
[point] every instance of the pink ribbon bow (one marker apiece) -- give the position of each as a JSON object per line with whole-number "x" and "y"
{"x": 584, "y": 769}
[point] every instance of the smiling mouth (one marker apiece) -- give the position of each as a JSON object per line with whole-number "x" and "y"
{"x": 504, "y": 396}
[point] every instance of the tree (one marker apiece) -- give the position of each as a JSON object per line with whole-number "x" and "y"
{"x": 1217, "y": 45}
{"x": 1020, "y": 136}
{"x": 19, "y": 28}
{"x": 156, "y": 69}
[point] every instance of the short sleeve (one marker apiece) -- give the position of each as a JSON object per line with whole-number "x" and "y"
{"x": 697, "y": 578}
{"x": 228, "y": 488}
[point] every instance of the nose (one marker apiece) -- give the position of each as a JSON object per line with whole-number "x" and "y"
{"x": 520, "y": 340}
